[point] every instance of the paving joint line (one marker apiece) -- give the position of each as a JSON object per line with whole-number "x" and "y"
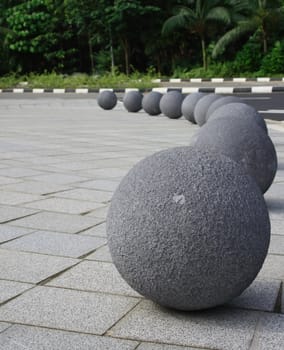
{"x": 278, "y": 304}
{"x": 57, "y": 274}
{"x": 121, "y": 318}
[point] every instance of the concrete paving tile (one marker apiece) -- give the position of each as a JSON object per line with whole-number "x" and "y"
{"x": 86, "y": 195}
{"x": 155, "y": 346}
{"x": 63, "y": 205}
{"x": 269, "y": 333}
{"x": 94, "y": 276}
{"x": 277, "y": 215}
{"x": 99, "y": 230}
{"x": 107, "y": 173}
{"x": 221, "y": 328}
{"x": 277, "y": 227}
{"x": 65, "y": 309}
{"x": 260, "y": 295}
{"x": 57, "y": 222}
{"x": 10, "y": 289}
{"x": 29, "y": 267}
{"x": 18, "y": 172}
{"x": 63, "y": 179}
{"x": 96, "y": 164}
{"x": 111, "y": 155}
{"x": 53, "y": 243}
{"x": 100, "y": 212}
{"x": 8, "y": 213}
{"x": 3, "y": 327}
{"x": 272, "y": 268}
{"x": 279, "y": 177}
{"x": 76, "y": 165}
{"x": 43, "y": 160}
{"x": 102, "y": 185}
{"x": 14, "y": 198}
{"x": 36, "y": 187}
{"x": 276, "y": 245}
{"x": 101, "y": 254}
{"x": 35, "y": 338}
{"x": 4, "y": 180}
{"x": 275, "y": 203}
{"x": 8, "y": 232}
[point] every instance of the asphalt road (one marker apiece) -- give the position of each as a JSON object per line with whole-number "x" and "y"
{"x": 271, "y": 106}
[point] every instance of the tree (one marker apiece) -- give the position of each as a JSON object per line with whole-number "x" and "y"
{"x": 127, "y": 18}
{"x": 262, "y": 18}
{"x": 38, "y": 35}
{"x": 197, "y": 19}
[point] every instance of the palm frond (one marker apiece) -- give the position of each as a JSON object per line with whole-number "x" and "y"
{"x": 232, "y": 35}
{"x": 173, "y": 23}
{"x": 183, "y": 17}
{"x": 219, "y": 14}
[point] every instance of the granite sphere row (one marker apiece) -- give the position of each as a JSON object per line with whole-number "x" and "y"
{"x": 188, "y": 228}
{"x": 196, "y": 107}
{"x": 244, "y": 141}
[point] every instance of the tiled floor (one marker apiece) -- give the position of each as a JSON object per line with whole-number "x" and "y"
{"x": 60, "y": 161}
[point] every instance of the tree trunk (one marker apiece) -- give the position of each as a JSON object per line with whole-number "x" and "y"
{"x": 204, "y": 54}
{"x": 111, "y": 52}
{"x": 126, "y": 54}
{"x": 265, "y": 46}
{"x": 91, "y": 53}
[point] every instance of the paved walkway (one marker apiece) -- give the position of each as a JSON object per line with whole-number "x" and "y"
{"x": 60, "y": 162}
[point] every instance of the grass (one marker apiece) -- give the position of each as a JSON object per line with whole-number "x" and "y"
{"x": 117, "y": 80}
{"x": 78, "y": 80}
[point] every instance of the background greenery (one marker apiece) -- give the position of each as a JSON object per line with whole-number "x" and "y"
{"x": 122, "y": 39}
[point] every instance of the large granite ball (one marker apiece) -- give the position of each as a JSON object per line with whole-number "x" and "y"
{"x": 132, "y": 101}
{"x": 188, "y": 228}
{"x": 170, "y": 104}
{"x": 107, "y": 99}
{"x": 188, "y": 105}
{"x": 221, "y": 102}
{"x": 151, "y": 103}
{"x": 245, "y": 142}
{"x": 237, "y": 110}
{"x": 202, "y": 107}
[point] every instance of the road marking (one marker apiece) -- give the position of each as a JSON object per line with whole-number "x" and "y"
{"x": 263, "y": 80}
{"x": 162, "y": 90}
{"x": 261, "y": 89}
{"x": 256, "y": 98}
{"x": 189, "y": 89}
{"x": 273, "y": 111}
{"x": 224, "y": 90}
{"x": 239, "y": 80}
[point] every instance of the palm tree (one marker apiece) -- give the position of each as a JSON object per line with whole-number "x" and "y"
{"x": 196, "y": 19}
{"x": 262, "y": 16}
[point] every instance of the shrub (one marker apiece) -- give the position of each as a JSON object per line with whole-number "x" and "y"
{"x": 249, "y": 58}
{"x": 273, "y": 62}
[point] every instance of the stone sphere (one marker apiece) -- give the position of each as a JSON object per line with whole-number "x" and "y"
{"x": 245, "y": 142}
{"x": 188, "y": 105}
{"x": 107, "y": 99}
{"x": 188, "y": 228}
{"x": 202, "y": 107}
{"x": 132, "y": 101}
{"x": 151, "y": 103}
{"x": 221, "y": 102}
{"x": 237, "y": 110}
{"x": 170, "y": 104}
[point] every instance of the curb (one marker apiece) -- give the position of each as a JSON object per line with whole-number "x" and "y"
{"x": 217, "y": 80}
{"x": 184, "y": 90}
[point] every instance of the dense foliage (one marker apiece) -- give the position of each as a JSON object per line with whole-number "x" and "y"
{"x": 172, "y": 37}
